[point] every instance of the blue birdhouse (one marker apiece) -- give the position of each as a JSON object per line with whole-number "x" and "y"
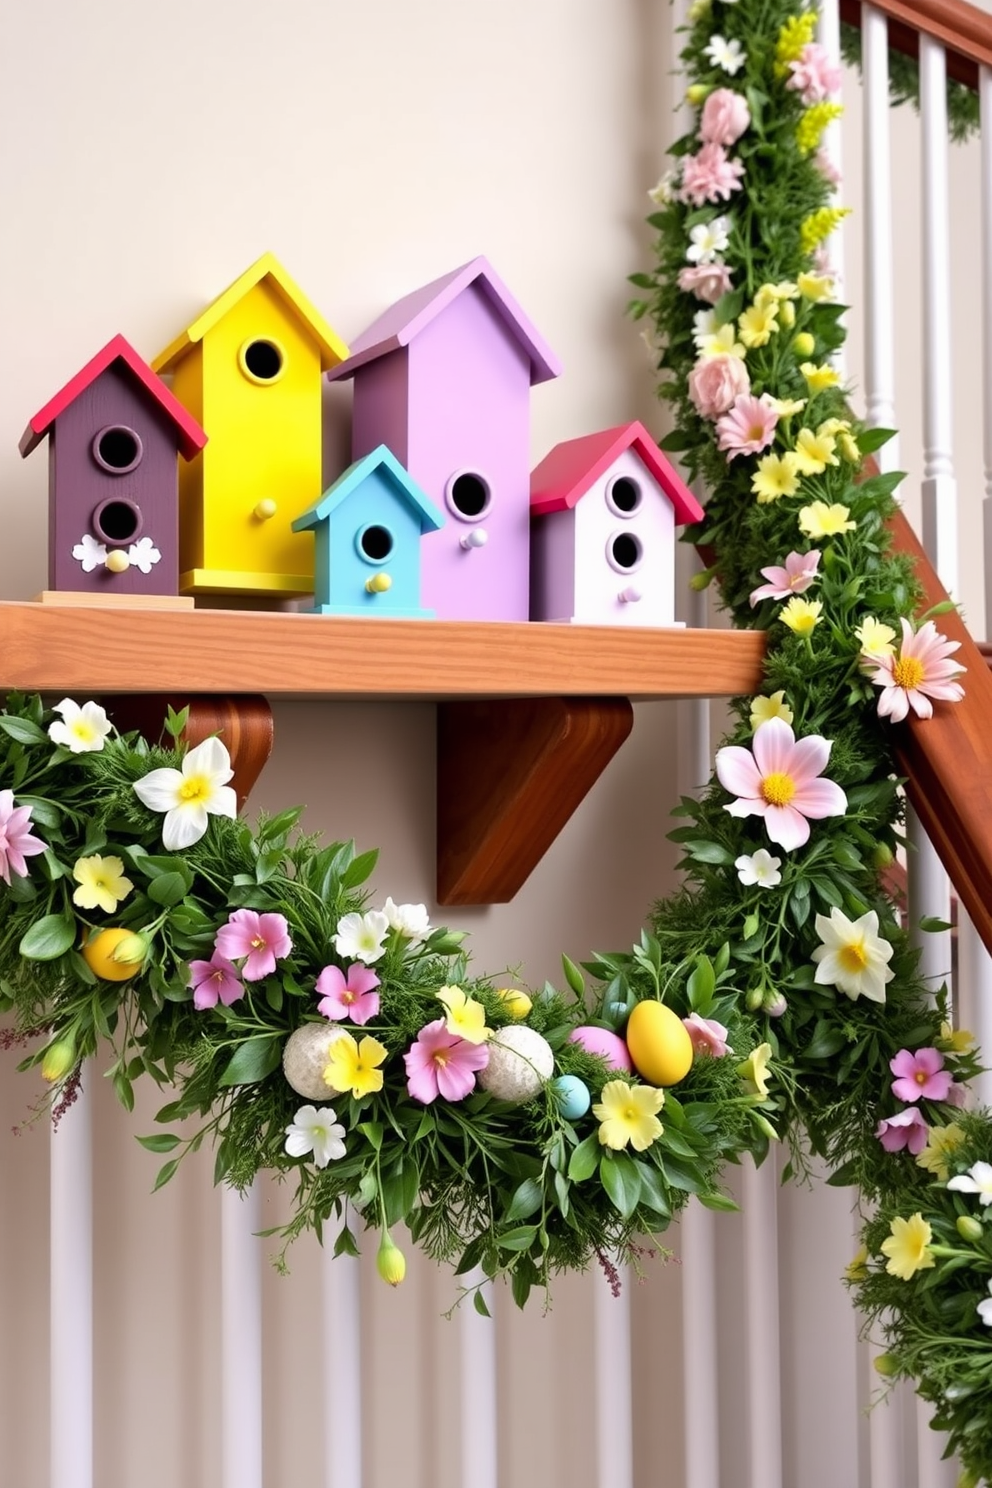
{"x": 367, "y": 529}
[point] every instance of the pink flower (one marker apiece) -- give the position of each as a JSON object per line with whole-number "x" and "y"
{"x": 348, "y": 997}
{"x": 814, "y": 75}
{"x": 920, "y": 672}
{"x": 706, "y": 281}
{"x": 957, "y": 1095}
{"x": 828, "y": 170}
{"x": 715, "y": 382}
{"x": 780, "y": 781}
{"x": 214, "y": 981}
{"x": 707, "y": 1035}
{"x": 921, "y": 1076}
{"x": 260, "y": 937}
{"x": 799, "y": 573}
{"x": 748, "y": 427}
{"x": 725, "y": 117}
{"x": 441, "y": 1063}
{"x": 710, "y": 176}
{"x": 904, "y": 1129}
{"x": 16, "y": 842}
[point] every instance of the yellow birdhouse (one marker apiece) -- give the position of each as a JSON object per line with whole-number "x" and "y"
{"x": 250, "y": 370}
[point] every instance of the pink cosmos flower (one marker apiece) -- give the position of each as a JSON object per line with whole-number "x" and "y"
{"x": 748, "y": 427}
{"x": 799, "y": 573}
{"x": 920, "y": 672}
{"x": 715, "y": 382}
{"x": 904, "y": 1129}
{"x": 921, "y": 1075}
{"x": 348, "y": 997}
{"x": 780, "y": 781}
{"x": 814, "y": 75}
{"x": 441, "y": 1063}
{"x": 707, "y": 1035}
{"x": 706, "y": 281}
{"x": 725, "y": 117}
{"x": 214, "y": 981}
{"x": 260, "y": 937}
{"x": 16, "y": 842}
{"x": 710, "y": 176}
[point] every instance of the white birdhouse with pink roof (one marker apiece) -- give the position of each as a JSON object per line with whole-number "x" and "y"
{"x": 604, "y": 509}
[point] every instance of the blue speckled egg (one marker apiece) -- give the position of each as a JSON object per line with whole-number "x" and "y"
{"x": 572, "y": 1096}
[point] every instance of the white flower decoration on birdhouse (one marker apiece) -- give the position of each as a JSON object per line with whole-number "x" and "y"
{"x": 144, "y": 554}
{"x": 91, "y": 554}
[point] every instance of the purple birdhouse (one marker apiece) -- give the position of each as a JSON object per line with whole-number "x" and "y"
{"x": 115, "y": 433}
{"x": 443, "y": 378}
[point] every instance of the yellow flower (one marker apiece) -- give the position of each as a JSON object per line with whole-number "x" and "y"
{"x": 390, "y": 1261}
{"x": 941, "y": 1144}
{"x": 628, "y": 1113}
{"x": 517, "y": 1003}
{"x": 352, "y": 1066}
{"x": 697, "y": 94}
{"x": 907, "y": 1247}
{"x": 958, "y": 1039}
{"x": 815, "y": 452}
{"x": 770, "y": 294}
{"x": 787, "y": 313}
{"x": 754, "y": 1070}
{"x": 697, "y": 10}
{"x": 720, "y": 343}
{"x": 785, "y": 407}
{"x": 846, "y": 442}
{"x": 809, "y": 130}
{"x": 818, "y": 226}
{"x": 465, "y": 1017}
{"x": 876, "y": 639}
{"x": 801, "y": 615}
{"x": 803, "y": 344}
{"x": 815, "y": 286}
{"x": 758, "y": 324}
{"x": 776, "y": 475}
{"x": 821, "y": 520}
{"x": 818, "y": 378}
{"x": 798, "y": 31}
{"x": 858, "y": 1268}
{"x": 774, "y": 706}
{"x": 101, "y": 881}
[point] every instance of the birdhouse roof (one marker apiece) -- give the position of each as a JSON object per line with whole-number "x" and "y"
{"x": 332, "y": 348}
{"x": 190, "y": 437}
{"x": 572, "y": 468}
{"x": 398, "y": 325}
{"x": 382, "y": 459}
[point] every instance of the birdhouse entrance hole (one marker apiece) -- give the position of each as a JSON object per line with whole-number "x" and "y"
{"x": 623, "y": 496}
{"x": 262, "y": 360}
{"x": 375, "y": 543}
{"x": 468, "y": 496}
{"x": 117, "y": 449}
{"x": 624, "y": 551}
{"x": 117, "y": 521}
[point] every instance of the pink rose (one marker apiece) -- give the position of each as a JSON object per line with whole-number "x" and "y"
{"x": 706, "y": 281}
{"x": 715, "y": 382}
{"x": 725, "y": 118}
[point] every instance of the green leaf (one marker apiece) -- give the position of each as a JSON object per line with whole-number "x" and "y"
{"x": 346, "y": 1244}
{"x": 165, "y": 1172}
{"x": 685, "y": 1176}
{"x": 653, "y": 1192}
{"x": 162, "y": 1142}
{"x": 751, "y": 925}
{"x": 932, "y": 925}
{"x": 167, "y": 889}
{"x": 701, "y": 984}
{"x": 721, "y": 1202}
{"x": 869, "y": 440}
{"x": 479, "y": 1303}
{"x": 526, "y": 1200}
{"x": 360, "y": 868}
{"x": 709, "y": 852}
{"x": 522, "y": 1238}
{"x": 48, "y": 938}
{"x": 827, "y": 1040}
{"x": 620, "y": 1177}
{"x": 523, "y": 1278}
{"x": 372, "y": 1131}
{"x": 22, "y": 730}
{"x": 573, "y": 975}
{"x": 675, "y": 442}
{"x": 253, "y": 1060}
{"x": 399, "y": 1190}
{"x": 584, "y": 1159}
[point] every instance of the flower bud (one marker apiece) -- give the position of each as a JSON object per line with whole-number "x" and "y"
{"x": 697, "y": 93}
{"x": 59, "y": 1059}
{"x": 887, "y": 1365}
{"x": 969, "y": 1228}
{"x": 774, "y": 1004}
{"x": 754, "y": 999}
{"x": 764, "y": 1126}
{"x": 786, "y": 313}
{"x": 803, "y": 344}
{"x": 882, "y": 856}
{"x": 701, "y": 581}
{"x": 390, "y": 1261}
{"x": 130, "y": 951}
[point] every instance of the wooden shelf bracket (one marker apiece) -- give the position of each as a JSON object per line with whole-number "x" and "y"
{"x": 244, "y": 724}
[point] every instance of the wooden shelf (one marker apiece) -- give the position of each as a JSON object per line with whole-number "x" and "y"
{"x": 510, "y": 773}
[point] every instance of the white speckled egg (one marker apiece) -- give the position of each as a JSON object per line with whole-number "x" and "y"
{"x": 304, "y": 1059}
{"x": 520, "y": 1060}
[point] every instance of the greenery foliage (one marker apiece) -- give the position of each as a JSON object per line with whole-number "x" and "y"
{"x": 963, "y": 111}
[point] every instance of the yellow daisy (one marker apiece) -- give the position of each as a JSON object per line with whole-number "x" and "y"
{"x": 776, "y": 475}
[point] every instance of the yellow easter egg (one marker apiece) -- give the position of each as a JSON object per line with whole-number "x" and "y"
{"x": 98, "y": 953}
{"x": 659, "y": 1044}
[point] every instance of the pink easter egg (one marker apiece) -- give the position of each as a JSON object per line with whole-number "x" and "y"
{"x": 610, "y": 1046}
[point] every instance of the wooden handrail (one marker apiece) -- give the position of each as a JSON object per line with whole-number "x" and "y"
{"x": 963, "y": 29}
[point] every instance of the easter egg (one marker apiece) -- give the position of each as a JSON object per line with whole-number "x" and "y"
{"x": 517, "y": 1003}
{"x": 98, "y": 953}
{"x": 520, "y": 1060}
{"x": 572, "y": 1095}
{"x": 609, "y": 1046}
{"x": 659, "y": 1044}
{"x": 304, "y": 1059}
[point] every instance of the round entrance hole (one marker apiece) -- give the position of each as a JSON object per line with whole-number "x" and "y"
{"x": 117, "y": 449}
{"x": 262, "y": 359}
{"x": 468, "y": 495}
{"x": 375, "y": 543}
{"x": 624, "y": 551}
{"x": 117, "y": 521}
{"x": 623, "y": 495}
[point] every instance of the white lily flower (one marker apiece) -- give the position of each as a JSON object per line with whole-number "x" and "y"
{"x": 411, "y": 920}
{"x": 188, "y": 796}
{"x": 977, "y": 1180}
{"x": 726, "y": 54}
{"x": 760, "y": 868}
{"x": 853, "y": 955}
{"x": 315, "y": 1130}
{"x": 83, "y": 730}
{"x": 361, "y": 937}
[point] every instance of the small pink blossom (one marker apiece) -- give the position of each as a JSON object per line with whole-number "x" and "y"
{"x": 827, "y": 167}
{"x": 920, "y": 672}
{"x": 16, "y": 842}
{"x": 350, "y": 996}
{"x": 904, "y": 1129}
{"x": 725, "y": 117}
{"x": 441, "y": 1063}
{"x": 715, "y": 382}
{"x": 921, "y": 1075}
{"x": 262, "y": 938}
{"x": 706, "y": 281}
{"x": 707, "y": 1035}
{"x": 814, "y": 76}
{"x": 710, "y": 176}
{"x": 748, "y": 427}
{"x": 957, "y": 1095}
{"x": 214, "y": 981}
{"x": 780, "y": 781}
{"x": 799, "y": 573}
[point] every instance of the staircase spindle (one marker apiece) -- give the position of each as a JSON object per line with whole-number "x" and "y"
{"x": 71, "y": 1294}
{"x": 341, "y": 1407}
{"x": 241, "y": 1340}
